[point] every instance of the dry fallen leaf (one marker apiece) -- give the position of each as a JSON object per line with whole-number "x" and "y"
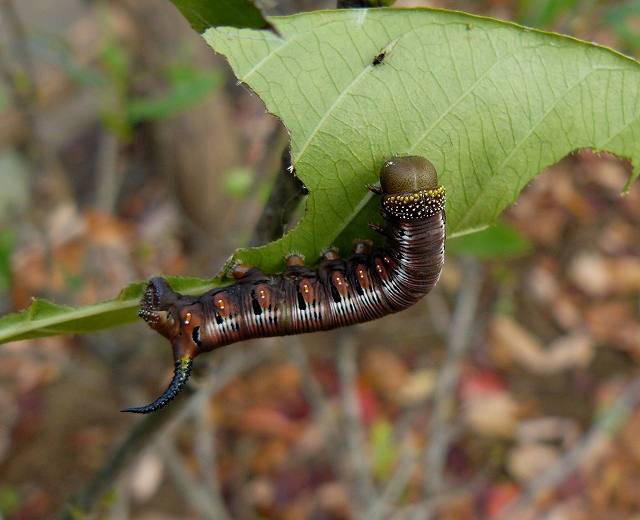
{"x": 540, "y": 214}
{"x": 567, "y": 310}
{"x": 615, "y": 323}
{"x": 491, "y": 415}
{"x": 258, "y": 492}
{"x": 630, "y": 437}
{"x": 384, "y": 371}
{"x": 265, "y": 420}
{"x": 549, "y": 429}
{"x": 607, "y": 171}
{"x": 460, "y": 506}
{"x": 146, "y": 476}
{"x": 333, "y": 500}
{"x": 528, "y": 460}
{"x": 270, "y": 455}
{"x": 543, "y": 280}
{"x": 512, "y": 343}
{"x": 617, "y": 237}
{"x": 65, "y": 224}
{"x": 498, "y": 496}
{"x": 474, "y": 383}
{"x": 589, "y": 272}
{"x": 418, "y": 387}
{"x": 598, "y": 276}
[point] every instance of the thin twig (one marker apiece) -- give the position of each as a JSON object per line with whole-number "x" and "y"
{"x": 197, "y": 495}
{"x": 459, "y": 339}
{"x": 108, "y": 175}
{"x": 240, "y": 360}
{"x": 352, "y": 414}
{"x": 205, "y": 448}
{"x": 320, "y": 407}
{"x": 120, "y": 508}
{"x": 138, "y": 439}
{"x": 438, "y": 311}
{"x": 434, "y": 503}
{"x": 408, "y": 460}
{"x": 310, "y": 386}
{"x": 167, "y": 419}
{"x": 395, "y": 486}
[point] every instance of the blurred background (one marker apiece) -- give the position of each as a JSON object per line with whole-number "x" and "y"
{"x": 128, "y": 150}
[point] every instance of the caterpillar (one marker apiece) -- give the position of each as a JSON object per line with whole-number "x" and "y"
{"x": 366, "y": 286}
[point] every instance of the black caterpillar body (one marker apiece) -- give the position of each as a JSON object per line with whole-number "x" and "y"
{"x": 366, "y": 286}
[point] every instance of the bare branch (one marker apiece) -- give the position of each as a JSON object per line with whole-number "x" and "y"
{"x": 396, "y": 485}
{"x": 169, "y": 417}
{"x": 205, "y": 448}
{"x": 352, "y": 413}
{"x": 135, "y": 442}
{"x": 460, "y": 333}
{"x": 197, "y": 495}
{"x": 109, "y": 176}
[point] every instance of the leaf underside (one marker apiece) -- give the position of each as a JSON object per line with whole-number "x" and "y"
{"x": 490, "y": 103}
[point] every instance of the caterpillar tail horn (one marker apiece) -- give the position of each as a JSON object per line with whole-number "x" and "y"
{"x": 181, "y": 375}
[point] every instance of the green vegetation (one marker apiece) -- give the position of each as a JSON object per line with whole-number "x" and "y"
{"x": 490, "y": 103}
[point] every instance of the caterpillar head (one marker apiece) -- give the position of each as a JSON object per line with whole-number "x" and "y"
{"x": 178, "y": 318}
{"x": 408, "y": 174}
{"x": 409, "y": 188}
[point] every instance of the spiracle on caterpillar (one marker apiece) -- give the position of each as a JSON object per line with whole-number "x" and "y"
{"x": 366, "y": 286}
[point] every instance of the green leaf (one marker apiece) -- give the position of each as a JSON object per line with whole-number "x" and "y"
{"x": 490, "y": 103}
{"x": 44, "y": 318}
{"x": 10, "y": 500}
{"x": 238, "y": 181}
{"x": 189, "y": 87}
{"x": 203, "y": 14}
{"x": 542, "y": 13}
{"x": 4, "y": 100}
{"x": 499, "y": 242}
{"x": 384, "y": 448}
{"x": 15, "y": 179}
{"x": 624, "y": 19}
{"x": 7, "y": 244}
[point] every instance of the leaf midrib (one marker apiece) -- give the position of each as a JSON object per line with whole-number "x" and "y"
{"x": 31, "y": 324}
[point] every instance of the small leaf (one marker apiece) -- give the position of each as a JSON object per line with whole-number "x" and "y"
{"x": 384, "y": 448}
{"x": 4, "y": 100}
{"x": 188, "y": 88}
{"x": 43, "y": 318}
{"x": 15, "y": 175}
{"x": 7, "y": 243}
{"x": 10, "y": 500}
{"x": 203, "y": 14}
{"x": 499, "y": 242}
{"x": 625, "y": 19}
{"x": 543, "y": 13}
{"x": 238, "y": 181}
